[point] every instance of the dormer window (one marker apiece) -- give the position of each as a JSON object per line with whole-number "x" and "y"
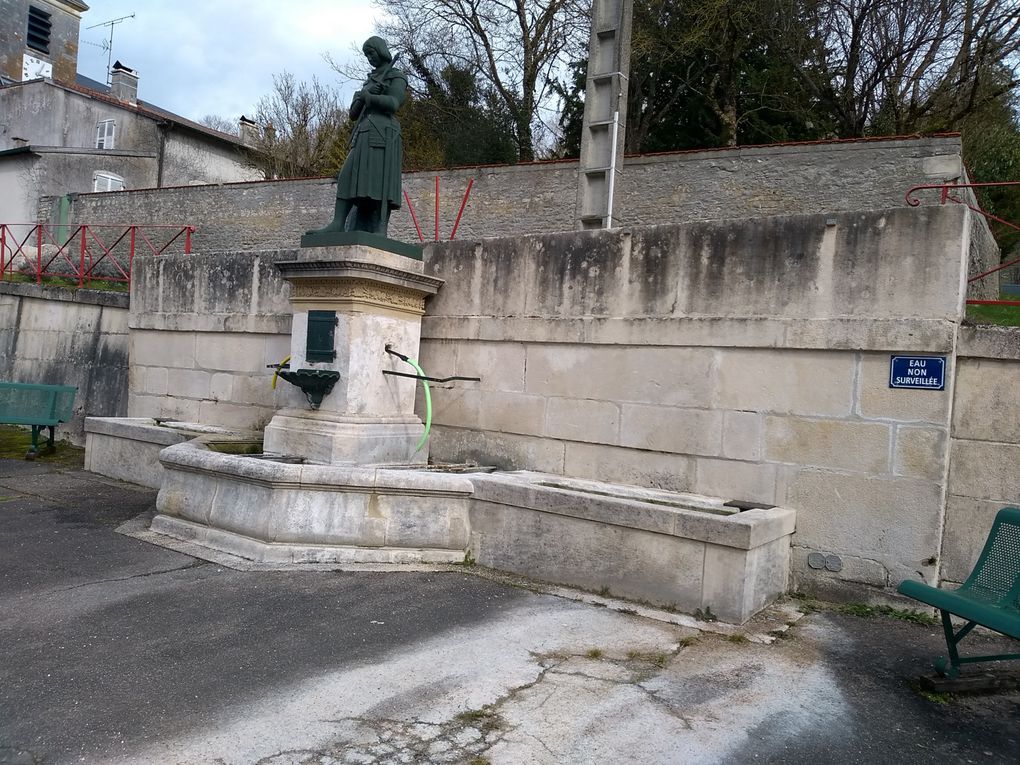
{"x": 106, "y": 181}
{"x": 39, "y": 27}
{"x": 105, "y": 132}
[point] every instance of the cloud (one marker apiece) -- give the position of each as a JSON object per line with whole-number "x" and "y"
{"x": 218, "y": 56}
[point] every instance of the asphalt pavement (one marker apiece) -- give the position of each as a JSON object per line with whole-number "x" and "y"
{"x": 113, "y": 650}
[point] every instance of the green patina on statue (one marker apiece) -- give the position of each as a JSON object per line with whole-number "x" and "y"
{"x": 368, "y": 186}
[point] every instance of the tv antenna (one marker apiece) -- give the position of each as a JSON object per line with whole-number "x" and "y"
{"x": 107, "y": 45}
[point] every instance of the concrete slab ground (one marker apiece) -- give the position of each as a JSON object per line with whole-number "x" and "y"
{"x": 113, "y": 650}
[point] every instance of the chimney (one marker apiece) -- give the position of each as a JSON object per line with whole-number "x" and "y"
{"x": 124, "y": 83}
{"x": 248, "y": 131}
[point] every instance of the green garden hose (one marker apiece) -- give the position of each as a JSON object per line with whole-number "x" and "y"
{"x": 428, "y": 404}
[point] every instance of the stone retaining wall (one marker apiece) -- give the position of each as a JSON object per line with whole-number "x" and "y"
{"x": 204, "y": 330}
{"x": 508, "y": 200}
{"x": 67, "y": 337}
{"x": 984, "y": 463}
{"x": 514, "y": 200}
{"x": 747, "y": 360}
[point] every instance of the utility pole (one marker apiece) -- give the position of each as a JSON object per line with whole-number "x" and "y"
{"x": 605, "y": 113}
{"x": 108, "y": 44}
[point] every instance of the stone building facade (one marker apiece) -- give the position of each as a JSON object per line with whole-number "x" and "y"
{"x": 61, "y": 132}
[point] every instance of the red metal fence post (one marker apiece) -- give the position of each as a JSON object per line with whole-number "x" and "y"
{"x": 38, "y": 253}
{"x": 3, "y": 251}
{"x": 189, "y": 230}
{"x": 131, "y": 255}
{"x": 81, "y": 257}
{"x": 463, "y": 204}
{"x": 414, "y": 218}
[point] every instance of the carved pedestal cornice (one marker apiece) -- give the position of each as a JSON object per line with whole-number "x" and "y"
{"x": 358, "y": 284}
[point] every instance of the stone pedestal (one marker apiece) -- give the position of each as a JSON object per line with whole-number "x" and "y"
{"x": 368, "y": 417}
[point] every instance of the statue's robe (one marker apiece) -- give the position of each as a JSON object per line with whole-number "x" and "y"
{"x": 372, "y": 169}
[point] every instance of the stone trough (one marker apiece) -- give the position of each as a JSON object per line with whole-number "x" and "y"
{"x": 683, "y": 551}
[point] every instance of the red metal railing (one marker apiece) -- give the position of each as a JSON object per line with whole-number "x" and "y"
{"x": 86, "y": 252}
{"x": 946, "y": 195}
{"x": 460, "y": 213}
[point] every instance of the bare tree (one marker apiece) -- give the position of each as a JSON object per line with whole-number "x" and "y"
{"x": 906, "y": 65}
{"x": 220, "y": 123}
{"x": 517, "y": 46}
{"x": 305, "y": 131}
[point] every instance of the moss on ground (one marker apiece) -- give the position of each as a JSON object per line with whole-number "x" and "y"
{"x": 15, "y": 443}
{"x": 864, "y": 611}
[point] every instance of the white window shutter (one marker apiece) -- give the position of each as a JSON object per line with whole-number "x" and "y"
{"x": 106, "y": 134}
{"x": 103, "y": 181}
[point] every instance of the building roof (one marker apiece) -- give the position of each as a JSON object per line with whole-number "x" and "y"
{"x": 100, "y": 91}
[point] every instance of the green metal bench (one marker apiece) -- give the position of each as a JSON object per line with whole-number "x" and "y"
{"x": 990, "y": 596}
{"x": 36, "y": 405}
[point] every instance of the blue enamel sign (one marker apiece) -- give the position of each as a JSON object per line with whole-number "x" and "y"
{"x": 927, "y": 372}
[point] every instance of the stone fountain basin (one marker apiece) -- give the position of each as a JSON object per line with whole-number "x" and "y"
{"x": 277, "y": 512}
{"x": 683, "y": 551}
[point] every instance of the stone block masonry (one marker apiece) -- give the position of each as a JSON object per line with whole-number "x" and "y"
{"x": 512, "y": 200}
{"x": 984, "y": 460}
{"x": 204, "y": 330}
{"x": 747, "y": 360}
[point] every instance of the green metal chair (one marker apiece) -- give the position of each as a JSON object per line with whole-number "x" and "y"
{"x": 990, "y": 596}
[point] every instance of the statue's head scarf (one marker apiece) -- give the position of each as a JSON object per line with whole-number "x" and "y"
{"x": 379, "y": 45}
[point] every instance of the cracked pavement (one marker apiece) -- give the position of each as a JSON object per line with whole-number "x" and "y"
{"x": 117, "y": 651}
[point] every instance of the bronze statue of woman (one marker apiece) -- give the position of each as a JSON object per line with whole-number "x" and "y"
{"x": 368, "y": 186}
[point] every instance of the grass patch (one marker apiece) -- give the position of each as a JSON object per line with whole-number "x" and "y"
{"x": 932, "y": 696}
{"x": 15, "y": 443}
{"x": 864, "y": 611}
{"x": 867, "y": 612}
{"x": 688, "y": 641}
{"x": 594, "y": 653}
{"x": 998, "y": 315}
{"x": 737, "y": 637}
{"x": 485, "y": 719}
{"x": 68, "y": 283}
{"x": 657, "y": 659}
{"x": 935, "y": 698}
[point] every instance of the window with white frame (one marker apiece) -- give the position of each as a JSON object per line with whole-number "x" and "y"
{"x": 105, "y": 132}
{"x": 105, "y": 181}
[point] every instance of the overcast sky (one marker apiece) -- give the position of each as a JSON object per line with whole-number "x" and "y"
{"x": 199, "y": 57}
